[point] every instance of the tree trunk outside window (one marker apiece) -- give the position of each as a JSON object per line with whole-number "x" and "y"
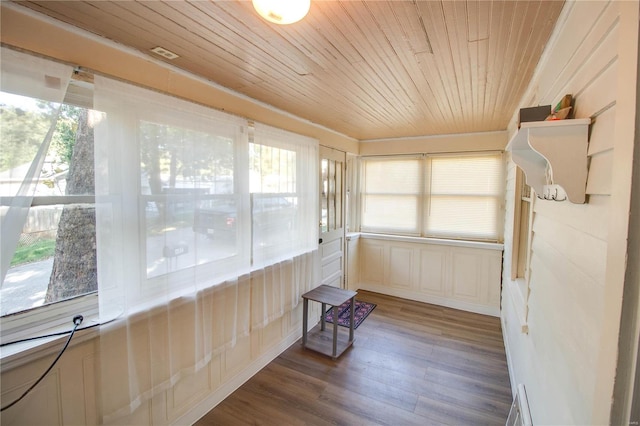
{"x": 74, "y": 266}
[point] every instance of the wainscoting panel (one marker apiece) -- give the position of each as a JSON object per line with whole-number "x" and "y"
{"x": 89, "y": 395}
{"x": 467, "y": 278}
{"x": 434, "y": 264}
{"x": 47, "y": 412}
{"x": 457, "y": 274}
{"x": 237, "y": 357}
{"x": 271, "y": 334}
{"x": 189, "y": 390}
{"x": 372, "y": 261}
{"x": 400, "y": 270}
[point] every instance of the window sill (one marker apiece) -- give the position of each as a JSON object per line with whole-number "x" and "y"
{"x": 434, "y": 241}
{"x": 18, "y": 354}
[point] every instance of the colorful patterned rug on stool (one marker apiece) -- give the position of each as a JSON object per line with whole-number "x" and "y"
{"x": 363, "y": 309}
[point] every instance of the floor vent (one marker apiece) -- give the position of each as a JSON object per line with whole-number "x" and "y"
{"x": 519, "y": 415}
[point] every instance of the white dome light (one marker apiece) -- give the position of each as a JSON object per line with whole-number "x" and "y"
{"x": 282, "y": 11}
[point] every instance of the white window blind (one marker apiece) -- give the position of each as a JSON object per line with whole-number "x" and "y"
{"x": 464, "y": 197}
{"x": 391, "y": 195}
{"x": 452, "y": 196}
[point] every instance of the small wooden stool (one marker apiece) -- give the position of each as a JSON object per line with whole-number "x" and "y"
{"x": 327, "y": 295}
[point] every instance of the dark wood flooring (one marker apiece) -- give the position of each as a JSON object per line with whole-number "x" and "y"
{"x": 411, "y": 364}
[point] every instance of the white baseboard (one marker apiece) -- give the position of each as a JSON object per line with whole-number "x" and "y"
{"x": 493, "y": 311}
{"x": 505, "y": 339}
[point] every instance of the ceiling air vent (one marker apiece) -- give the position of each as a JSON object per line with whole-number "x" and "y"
{"x": 164, "y": 52}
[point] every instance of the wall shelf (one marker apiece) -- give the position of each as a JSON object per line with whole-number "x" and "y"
{"x": 553, "y": 157}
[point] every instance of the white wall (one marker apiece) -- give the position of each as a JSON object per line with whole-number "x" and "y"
{"x": 458, "y": 274}
{"x": 71, "y": 392}
{"x": 567, "y": 359}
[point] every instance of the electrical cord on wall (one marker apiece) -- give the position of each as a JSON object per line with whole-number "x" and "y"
{"x": 44, "y": 336}
{"x": 77, "y": 320}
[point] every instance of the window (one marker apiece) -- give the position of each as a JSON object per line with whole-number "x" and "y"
{"x": 46, "y": 184}
{"x": 523, "y": 214}
{"x": 188, "y": 197}
{"x": 168, "y": 198}
{"x": 521, "y": 248}
{"x": 187, "y": 194}
{"x": 63, "y": 204}
{"x": 441, "y": 196}
{"x": 331, "y": 194}
{"x": 283, "y": 190}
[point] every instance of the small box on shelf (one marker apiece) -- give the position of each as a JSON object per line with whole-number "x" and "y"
{"x": 537, "y": 113}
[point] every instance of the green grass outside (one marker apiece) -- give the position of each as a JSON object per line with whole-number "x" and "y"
{"x": 39, "y": 250}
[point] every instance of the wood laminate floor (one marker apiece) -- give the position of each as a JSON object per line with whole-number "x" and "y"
{"x": 411, "y": 364}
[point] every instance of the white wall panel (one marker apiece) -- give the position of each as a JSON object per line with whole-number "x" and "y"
{"x": 449, "y": 274}
{"x": 578, "y": 250}
{"x": 582, "y": 17}
{"x": 600, "y": 170}
{"x": 90, "y": 396}
{"x": 42, "y": 406}
{"x": 494, "y": 271}
{"x": 189, "y": 390}
{"x": 237, "y": 357}
{"x": 271, "y": 334}
{"x": 592, "y": 53}
{"x": 400, "y": 270}
{"x": 371, "y": 261}
{"x": 467, "y": 277}
{"x": 598, "y": 94}
{"x": 561, "y": 359}
{"x": 602, "y": 131}
{"x": 434, "y": 264}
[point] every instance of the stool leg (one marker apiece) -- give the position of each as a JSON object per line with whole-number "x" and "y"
{"x": 322, "y": 314}
{"x": 305, "y": 314}
{"x": 335, "y": 332}
{"x": 352, "y": 318}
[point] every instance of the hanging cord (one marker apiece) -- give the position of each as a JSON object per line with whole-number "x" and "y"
{"x": 60, "y": 333}
{"x": 77, "y": 320}
{"x": 44, "y": 336}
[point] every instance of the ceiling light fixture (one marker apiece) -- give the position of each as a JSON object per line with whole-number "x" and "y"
{"x": 282, "y": 11}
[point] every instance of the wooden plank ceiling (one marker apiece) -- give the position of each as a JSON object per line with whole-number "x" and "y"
{"x": 367, "y": 69}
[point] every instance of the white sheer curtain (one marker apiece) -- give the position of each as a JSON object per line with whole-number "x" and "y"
{"x": 26, "y": 80}
{"x": 176, "y": 232}
{"x": 284, "y": 193}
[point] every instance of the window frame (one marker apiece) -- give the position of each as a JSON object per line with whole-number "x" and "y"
{"x": 424, "y": 198}
{"x": 55, "y": 315}
{"x": 58, "y": 315}
{"x": 522, "y": 227}
{"x": 152, "y": 285}
{"x": 417, "y": 230}
{"x": 521, "y": 256}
